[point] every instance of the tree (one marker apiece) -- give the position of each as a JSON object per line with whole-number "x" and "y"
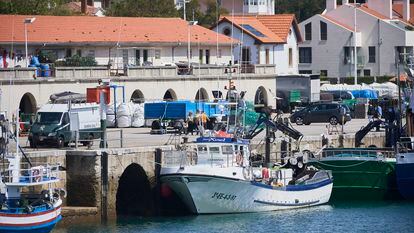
{"x": 206, "y": 19}
{"x": 143, "y": 8}
{"x": 302, "y": 9}
{"x": 34, "y": 7}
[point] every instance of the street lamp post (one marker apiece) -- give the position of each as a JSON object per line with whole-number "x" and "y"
{"x": 27, "y": 21}
{"x": 357, "y": 5}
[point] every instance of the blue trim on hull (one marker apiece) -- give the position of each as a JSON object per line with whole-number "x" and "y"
{"x": 405, "y": 179}
{"x": 296, "y": 187}
{"x": 43, "y": 228}
{"x": 286, "y": 204}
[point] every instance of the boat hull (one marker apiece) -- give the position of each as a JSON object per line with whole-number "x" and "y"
{"x": 39, "y": 222}
{"x": 405, "y": 175}
{"x": 361, "y": 179}
{"x": 204, "y": 194}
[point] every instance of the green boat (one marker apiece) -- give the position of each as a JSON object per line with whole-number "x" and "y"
{"x": 360, "y": 173}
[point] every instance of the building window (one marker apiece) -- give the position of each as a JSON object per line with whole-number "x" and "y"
{"x": 207, "y": 56}
{"x": 79, "y": 52}
{"x": 125, "y": 56}
{"x": 305, "y": 55}
{"x": 305, "y": 71}
{"x": 347, "y": 55}
{"x": 191, "y": 53}
{"x": 68, "y": 53}
{"x": 145, "y": 55}
{"x": 200, "y": 56}
{"x": 290, "y": 57}
{"x": 324, "y": 31}
{"x": 157, "y": 54}
{"x": 367, "y": 73}
{"x": 138, "y": 57}
{"x": 371, "y": 52}
{"x": 267, "y": 54}
{"x": 91, "y": 53}
{"x": 227, "y": 31}
{"x": 324, "y": 73}
{"x": 308, "y": 31}
{"x": 219, "y": 53}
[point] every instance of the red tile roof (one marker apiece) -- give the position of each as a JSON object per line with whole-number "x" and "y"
{"x": 398, "y": 10}
{"x": 104, "y": 30}
{"x": 280, "y": 24}
{"x": 275, "y": 28}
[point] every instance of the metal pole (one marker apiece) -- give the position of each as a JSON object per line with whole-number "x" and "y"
{"x": 25, "y": 44}
{"x": 355, "y": 48}
{"x": 121, "y": 135}
{"x": 399, "y": 93}
{"x": 103, "y": 120}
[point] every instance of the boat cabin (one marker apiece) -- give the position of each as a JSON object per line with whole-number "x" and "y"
{"x": 222, "y": 152}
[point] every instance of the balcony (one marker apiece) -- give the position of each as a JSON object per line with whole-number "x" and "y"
{"x": 136, "y": 72}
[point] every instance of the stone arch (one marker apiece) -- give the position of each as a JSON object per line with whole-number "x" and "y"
{"x": 28, "y": 104}
{"x": 138, "y": 97}
{"x": 261, "y": 96}
{"x": 134, "y": 196}
{"x": 170, "y": 95}
{"x": 202, "y": 95}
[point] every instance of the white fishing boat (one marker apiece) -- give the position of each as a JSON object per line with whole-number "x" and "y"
{"x": 218, "y": 176}
{"x": 21, "y": 209}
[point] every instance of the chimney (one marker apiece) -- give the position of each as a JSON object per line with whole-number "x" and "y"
{"x": 406, "y": 10}
{"x": 383, "y": 7}
{"x": 330, "y": 5}
{"x": 83, "y": 6}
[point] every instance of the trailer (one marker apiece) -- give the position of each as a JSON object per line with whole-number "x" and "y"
{"x": 165, "y": 113}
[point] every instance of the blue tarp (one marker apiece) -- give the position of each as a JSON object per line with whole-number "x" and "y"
{"x": 367, "y": 94}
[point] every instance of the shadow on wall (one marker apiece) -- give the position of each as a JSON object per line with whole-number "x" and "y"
{"x": 136, "y": 196}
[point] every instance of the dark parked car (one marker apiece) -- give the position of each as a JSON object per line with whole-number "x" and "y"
{"x": 322, "y": 112}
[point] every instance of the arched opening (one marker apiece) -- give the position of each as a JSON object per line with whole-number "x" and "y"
{"x": 28, "y": 108}
{"x": 28, "y": 104}
{"x": 137, "y": 97}
{"x": 134, "y": 196}
{"x": 201, "y": 95}
{"x": 170, "y": 95}
{"x": 261, "y": 96}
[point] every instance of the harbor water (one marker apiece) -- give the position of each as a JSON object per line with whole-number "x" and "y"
{"x": 337, "y": 217}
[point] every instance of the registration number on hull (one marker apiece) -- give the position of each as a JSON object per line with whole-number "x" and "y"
{"x": 223, "y": 196}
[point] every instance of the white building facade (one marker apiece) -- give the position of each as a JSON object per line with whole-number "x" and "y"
{"x": 260, "y": 45}
{"x": 261, "y": 7}
{"x": 383, "y": 30}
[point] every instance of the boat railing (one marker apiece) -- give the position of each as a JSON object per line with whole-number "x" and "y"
{"x": 405, "y": 145}
{"x": 352, "y": 152}
{"x": 5, "y": 208}
{"x": 32, "y": 175}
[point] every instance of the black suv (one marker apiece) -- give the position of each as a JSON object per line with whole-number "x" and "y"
{"x": 322, "y": 112}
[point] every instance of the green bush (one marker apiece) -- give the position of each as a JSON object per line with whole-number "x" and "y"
{"x": 47, "y": 57}
{"x": 77, "y": 60}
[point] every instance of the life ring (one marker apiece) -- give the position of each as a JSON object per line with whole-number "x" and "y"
{"x": 36, "y": 175}
{"x": 239, "y": 159}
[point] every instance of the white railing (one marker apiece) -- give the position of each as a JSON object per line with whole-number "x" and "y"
{"x": 34, "y": 174}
